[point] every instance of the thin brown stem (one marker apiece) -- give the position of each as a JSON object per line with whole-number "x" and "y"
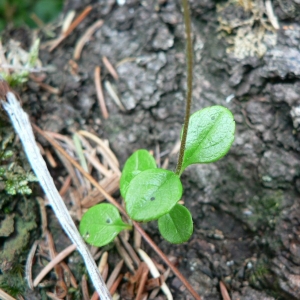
{"x": 166, "y": 260}
{"x": 189, "y": 63}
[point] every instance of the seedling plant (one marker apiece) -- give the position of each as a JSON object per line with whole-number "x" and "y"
{"x": 151, "y": 193}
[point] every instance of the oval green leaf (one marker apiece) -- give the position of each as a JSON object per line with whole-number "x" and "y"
{"x": 152, "y": 193}
{"x": 210, "y": 135}
{"x": 101, "y": 224}
{"x": 139, "y": 161}
{"x": 177, "y": 225}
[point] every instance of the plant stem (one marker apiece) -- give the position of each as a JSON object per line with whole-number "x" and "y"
{"x": 189, "y": 63}
{"x": 166, "y": 260}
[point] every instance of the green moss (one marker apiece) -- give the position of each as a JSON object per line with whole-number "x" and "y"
{"x": 15, "y": 174}
{"x": 261, "y": 277}
{"x": 16, "y": 180}
{"x": 18, "y": 240}
{"x": 265, "y": 210}
{"x": 17, "y": 213}
{"x": 258, "y": 275}
{"x": 7, "y": 226}
{"x": 12, "y": 284}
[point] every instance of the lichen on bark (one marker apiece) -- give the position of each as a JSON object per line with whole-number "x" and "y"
{"x": 17, "y": 207}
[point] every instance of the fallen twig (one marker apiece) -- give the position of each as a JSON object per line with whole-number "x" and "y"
{"x": 121, "y": 209}
{"x": 115, "y": 285}
{"x": 85, "y": 38}
{"x": 154, "y": 272}
{"x": 124, "y": 254}
{"x": 104, "y": 150}
{"x": 76, "y": 207}
{"x": 137, "y": 239}
{"x": 5, "y": 296}
{"x": 100, "y": 92}
{"x": 110, "y": 68}
{"x": 23, "y": 128}
{"x": 52, "y": 296}
{"x": 73, "y": 25}
{"x": 105, "y": 272}
{"x": 68, "y": 20}
{"x": 115, "y": 273}
{"x": 61, "y": 287}
{"x": 97, "y": 165}
{"x": 84, "y": 287}
{"x": 28, "y": 268}
{"x": 111, "y": 91}
{"x": 130, "y": 250}
{"x": 50, "y": 159}
{"x": 65, "y": 186}
{"x": 61, "y": 256}
{"x": 48, "y": 88}
{"x": 70, "y": 274}
{"x": 103, "y": 262}
{"x": 41, "y": 202}
{"x": 143, "y": 279}
{"x": 224, "y": 291}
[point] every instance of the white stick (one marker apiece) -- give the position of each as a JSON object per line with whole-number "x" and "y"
{"x": 23, "y": 128}
{"x": 154, "y": 272}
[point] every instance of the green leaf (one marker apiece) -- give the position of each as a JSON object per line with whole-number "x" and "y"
{"x": 210, "y": 135}
{"x": 177, "y": 225}
{"x": 101, "y": 224}
{"x": 139, "y": 161}
{"x": 152, "y": 193}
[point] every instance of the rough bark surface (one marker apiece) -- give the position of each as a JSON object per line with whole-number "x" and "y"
{"x": 246, "y": 207}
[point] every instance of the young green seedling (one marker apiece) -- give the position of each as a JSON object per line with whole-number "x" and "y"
{"x": 151, "y": 193}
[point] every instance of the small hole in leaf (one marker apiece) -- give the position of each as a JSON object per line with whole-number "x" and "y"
{"x": 87, "y": 235}
{"x": 152, "y": 198}
{"x": 108, "y": 221}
